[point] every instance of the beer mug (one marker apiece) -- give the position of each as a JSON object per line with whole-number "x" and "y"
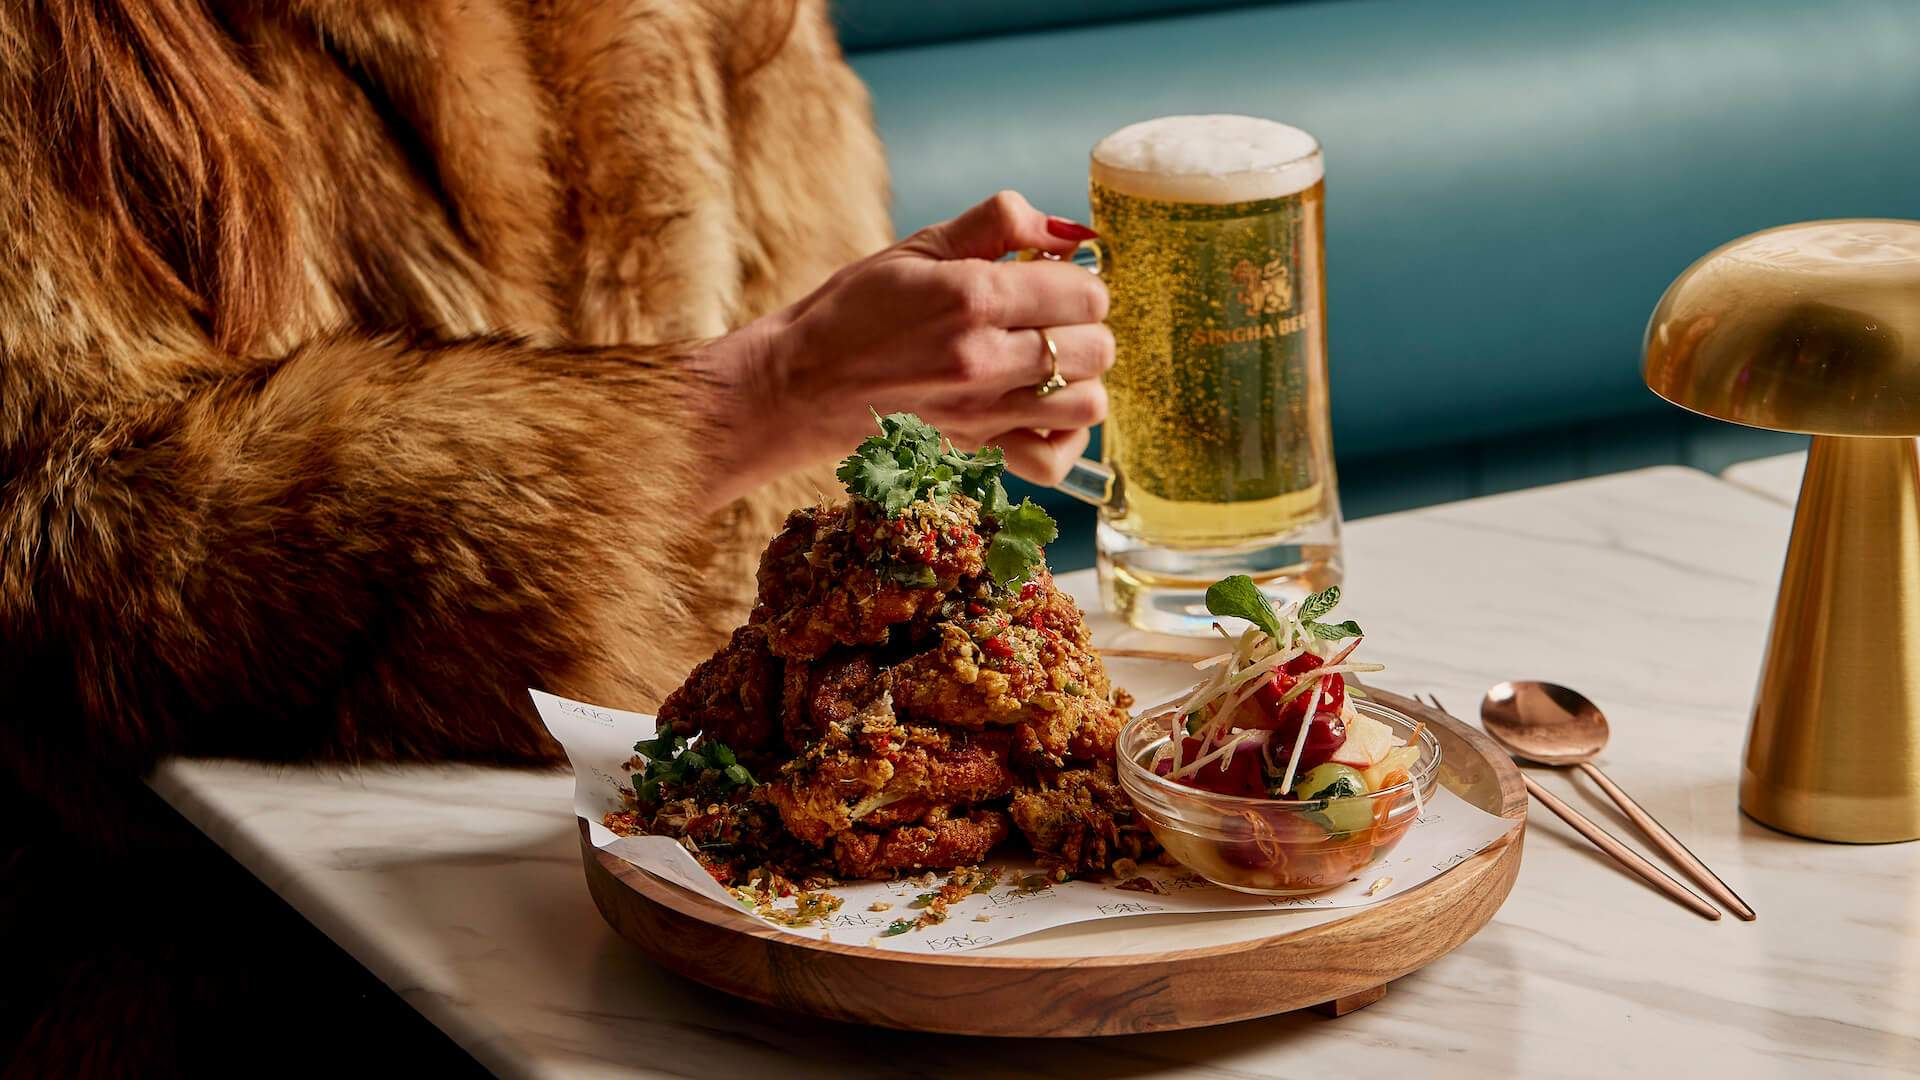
{"x": 1216, "y": 454}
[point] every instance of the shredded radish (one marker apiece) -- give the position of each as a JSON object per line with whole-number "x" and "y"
{"x": 1235, "y": 680}
{"x": 1203, "y": 692}
{"x": 1300, "y": 740}
{"x": 1193, "y": 768}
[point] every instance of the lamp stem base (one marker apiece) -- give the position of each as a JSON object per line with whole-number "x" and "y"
{"x": 1834, "y": 749}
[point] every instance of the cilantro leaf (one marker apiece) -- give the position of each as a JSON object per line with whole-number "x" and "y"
{"x": 671, "y": 763}
{"x": 1016, "y": 547}
{"x": 909, "y": 461}
{"x": 879, "y": 478}
{"x": 1238, "y": 597}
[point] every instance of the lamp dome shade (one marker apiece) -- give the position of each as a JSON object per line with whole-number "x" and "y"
{"x": 1812, "y": 328}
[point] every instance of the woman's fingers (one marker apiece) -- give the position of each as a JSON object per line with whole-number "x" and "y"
{"x": 1085, "y": 351}
{"x": 1041, "y": 458}
{"x": 985, "y": 364}
{"x": 1077, "y": 405}
{"x": 1005, "y": 223}
{"x": 1043, "y": 293}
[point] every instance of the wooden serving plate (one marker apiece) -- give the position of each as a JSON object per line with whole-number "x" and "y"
{"x": 1113, "y": 977}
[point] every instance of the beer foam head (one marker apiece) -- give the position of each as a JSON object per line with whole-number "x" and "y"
{"x": 1208, "y": 159}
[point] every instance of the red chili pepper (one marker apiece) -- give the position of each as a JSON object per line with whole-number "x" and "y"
{"x": 998, "y": 648}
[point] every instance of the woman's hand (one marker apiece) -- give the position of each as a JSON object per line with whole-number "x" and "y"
{"x": 932, "y": 325}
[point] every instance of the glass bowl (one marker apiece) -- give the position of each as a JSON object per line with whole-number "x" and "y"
{"x": 1273, "y": 847}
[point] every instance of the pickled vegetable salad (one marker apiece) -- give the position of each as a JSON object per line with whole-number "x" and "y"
{"x": 1273, "y": 717}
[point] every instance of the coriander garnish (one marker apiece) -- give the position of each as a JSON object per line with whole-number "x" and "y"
{"x": 670, "y": 761}
{"x": 909, "y": 461}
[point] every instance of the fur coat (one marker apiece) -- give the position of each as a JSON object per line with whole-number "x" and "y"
{"x": 340, "y": 345}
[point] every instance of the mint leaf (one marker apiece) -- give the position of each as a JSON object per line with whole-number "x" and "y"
{"x": 1015, "y": 549}
{"x": 1238, "y": 597}
{"x": 1334, "y": 631}
{"x": 1319, "y": 603}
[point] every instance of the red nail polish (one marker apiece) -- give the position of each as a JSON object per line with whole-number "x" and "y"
{"x": 1069, "y": 230}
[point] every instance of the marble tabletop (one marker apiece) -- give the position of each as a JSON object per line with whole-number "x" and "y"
{"x": 461, "y": 888}
{"x": 1776, "y": 477}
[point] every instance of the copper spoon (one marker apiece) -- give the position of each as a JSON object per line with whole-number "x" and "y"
{"x": 1607, "y": 842}
{"x": 1553, "y": 725}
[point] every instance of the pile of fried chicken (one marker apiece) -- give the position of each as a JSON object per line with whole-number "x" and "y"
{"x": 898, "y": 710}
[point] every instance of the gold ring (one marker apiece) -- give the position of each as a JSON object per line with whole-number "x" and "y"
{"x": 1055, "y": 381}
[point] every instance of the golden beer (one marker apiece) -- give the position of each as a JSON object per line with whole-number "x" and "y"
{"x": 1212, "y": 248}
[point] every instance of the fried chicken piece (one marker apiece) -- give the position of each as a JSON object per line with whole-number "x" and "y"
{"x": 910, "y": 811}
{"x": 957, "y": 682}
{"x": 1042, "y": 605}
{"x": 827, "y": 691}
{"x": 954, "y": 841}
{"x": 1094, "y": 739}
{"x": 950, "y": 768}
{"x": 732, "y": 697}
{"x": 1085, "y": 732}
{"x": 845, "y": 576}
{"x": 817, "y": 793}
{"x": 985, "y": 671}
{"x": 1080, "y": 819}
{"x": 874, "y": 766}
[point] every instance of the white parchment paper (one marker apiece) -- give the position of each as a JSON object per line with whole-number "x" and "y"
{"x": 599, "y": 741}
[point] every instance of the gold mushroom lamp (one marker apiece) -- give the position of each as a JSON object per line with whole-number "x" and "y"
{"x": 1815, "y": 328}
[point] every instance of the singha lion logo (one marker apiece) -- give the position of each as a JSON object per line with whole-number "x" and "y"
{"x": 1266, "y": 290}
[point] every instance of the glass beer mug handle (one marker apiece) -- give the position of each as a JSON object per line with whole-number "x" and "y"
{"x": 1088, "y": 480}
{"x": 1091, "y": 482}
{"x": 1091, "y": 255}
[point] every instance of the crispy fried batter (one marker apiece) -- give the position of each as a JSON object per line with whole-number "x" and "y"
{"x": 946, "y": 843}
{"x": 844, "y": 576}
{"x": 818, "y": 792}
{"x": 827, "y": 691}
{"x": 1080, "y": 819}
{"x": 989, "y": 670}
{"x": 872, "y": 765}
{"x": 731, "y": 697}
